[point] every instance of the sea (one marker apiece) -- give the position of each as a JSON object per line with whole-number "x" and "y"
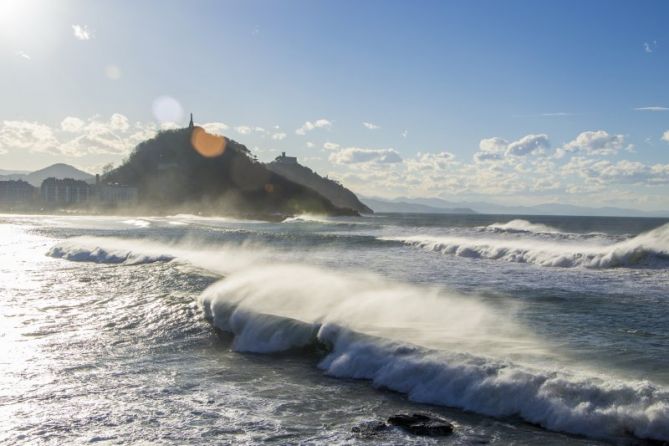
{"x": 188, "y": 329}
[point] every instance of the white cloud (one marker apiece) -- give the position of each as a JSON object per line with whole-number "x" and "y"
{"x": 72, "y": 124}
{"x": 597, "y": 172}
{"x": 404, "y": 134}
{"x": 355, "y": 155}
{"x": 527, "y": 145}
{"x": 27, "y": 135}
{"x": 496, "y": 148}
{"x": 595, "y": 143}
{"x": 23, "y": 55}
{"x": 652, "y": 109}
{"x": 310, "y": 144}
{"x": 649, "y": 47}
{"x": 665, "y": 136}
{"x": 216, "y": 128}
{"x": 82, "y": 32}
{"x": 491, "y": 149}
{"x": 330, "y": 146}
{"x": 556, "y": 114}
{"x": 309, "y": 126}
{"x": 430, "y": 161}
{"x": 75, "y": 137}
{"x": 370, "y": 126}
{"x": 119, "y": 122}
{"x": 279, "y": 136}
{"x": 243, "y": 129}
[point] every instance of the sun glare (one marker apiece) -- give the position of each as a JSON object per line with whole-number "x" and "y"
{"x": 27, "y": 22}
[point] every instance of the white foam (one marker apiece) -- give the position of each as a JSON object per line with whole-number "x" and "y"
{"x": 138, "y": 222}
{"x": 436, "y": 348}
{"x": 519, "y": 225}
{"x": 185, "y": 218}
{"x": 137, "y": 251}
{"x": 84, "y": 249}
{"x": 648, "y": 249}
{"x": 308, "y": 218}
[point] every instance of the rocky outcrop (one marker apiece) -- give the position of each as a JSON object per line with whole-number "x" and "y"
{"x": 421, "y": 424}
{"x": 415, "y": 424}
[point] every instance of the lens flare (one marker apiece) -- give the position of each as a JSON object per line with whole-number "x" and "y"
{"x": 113, "y": 72}
{"x": 167, "y": 109}
{"x": 206, "y": 144}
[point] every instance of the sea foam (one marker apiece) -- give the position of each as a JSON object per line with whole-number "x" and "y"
{"x": 649, "y": 249}
{"x": 439, "y": 349}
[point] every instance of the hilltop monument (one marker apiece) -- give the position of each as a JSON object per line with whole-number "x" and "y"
{"x": 190, "y": 124}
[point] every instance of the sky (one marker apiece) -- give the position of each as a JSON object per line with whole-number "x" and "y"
{"x": 511, "y": 102}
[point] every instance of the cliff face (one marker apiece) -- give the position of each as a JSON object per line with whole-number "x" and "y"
{"x": 187, "y": 169}
{"x": 333, "y": 191}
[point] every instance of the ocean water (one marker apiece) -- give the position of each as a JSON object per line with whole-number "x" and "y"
{"x": 191, "y": 330}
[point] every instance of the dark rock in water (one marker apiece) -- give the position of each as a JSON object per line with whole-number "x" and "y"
{"x": 421, "y": 424}
{"x": 370, "y": 428}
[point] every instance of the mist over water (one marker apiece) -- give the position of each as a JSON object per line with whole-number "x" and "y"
{"x": 558, "y": 323}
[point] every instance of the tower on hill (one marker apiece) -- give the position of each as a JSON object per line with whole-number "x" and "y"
{"x": 190, "y": 124}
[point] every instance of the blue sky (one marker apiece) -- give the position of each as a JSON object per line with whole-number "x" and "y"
{"x": 512, "y": 102}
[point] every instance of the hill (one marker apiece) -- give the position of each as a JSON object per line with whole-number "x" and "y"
{"x": 437, "y": 205}
{"x": 380, "y": 205}
{"x": 59, "y": 170}
{"x": 191, "y": 170}
{"x": 289, "y": 168}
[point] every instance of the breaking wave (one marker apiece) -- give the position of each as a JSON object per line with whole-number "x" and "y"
{"x": 435, "y": 348}
{"x": 650, "y": 249}
{"x": 309, "y": 218}
{"x": 522, "y": 226}
{"x": 84, "y": 249}
{"x": 126, "y": 251}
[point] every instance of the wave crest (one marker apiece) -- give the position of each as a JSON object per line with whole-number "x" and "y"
{"x": 83, "y": 250}
{"x": 405, "y": 339}
{"x": 650, "y": 249}
{"x": 522, "y": 226}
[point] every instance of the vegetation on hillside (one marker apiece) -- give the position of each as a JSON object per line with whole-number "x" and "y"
{"x": 190, "y": 170}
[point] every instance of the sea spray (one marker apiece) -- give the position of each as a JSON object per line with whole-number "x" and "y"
{"x": 650, "y": 249}
{"x": 387, "y": 333}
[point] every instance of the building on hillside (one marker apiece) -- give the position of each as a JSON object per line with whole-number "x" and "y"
{"x": 65, "y": 192}
{"x": 286, "y": 159}
{"x": 16, "y": 192}
{"x": 114, "y": 194}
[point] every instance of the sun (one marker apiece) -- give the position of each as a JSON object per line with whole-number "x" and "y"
{"x": 13, "y": 10}
{"x": 22, "y": 21}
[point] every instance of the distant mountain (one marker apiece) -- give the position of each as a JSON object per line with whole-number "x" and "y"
{"x": 56, "y": 171}
{"x": 288, "y": 167}
{"x": 191, "y": 170}
{"x": 541, "y": 209}
{"x": 4, "y": 172}
{"x": 380, "y": 205}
